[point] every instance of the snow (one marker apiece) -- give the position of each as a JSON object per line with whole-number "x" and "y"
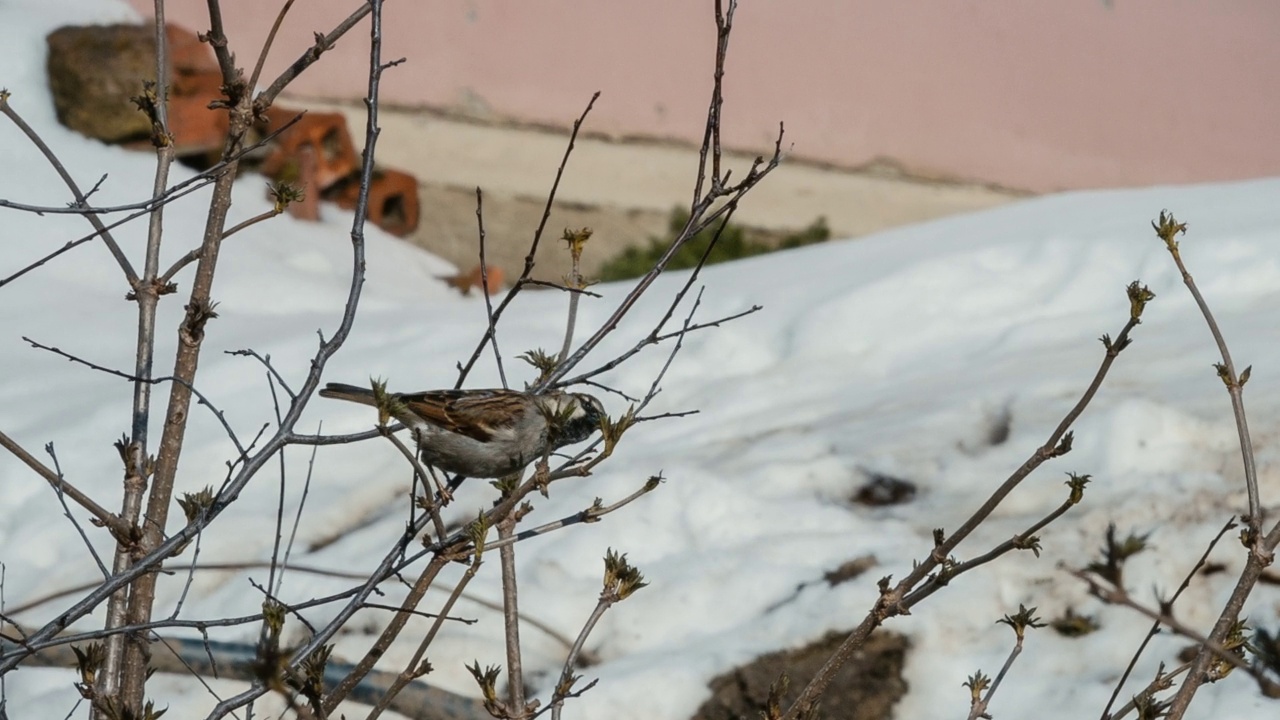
{"x": 892, "y": 354}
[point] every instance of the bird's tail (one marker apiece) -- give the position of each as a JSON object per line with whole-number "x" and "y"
{"x": 350, "y": 393}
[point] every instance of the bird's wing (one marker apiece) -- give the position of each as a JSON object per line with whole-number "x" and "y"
{"x": 478, "y": 414}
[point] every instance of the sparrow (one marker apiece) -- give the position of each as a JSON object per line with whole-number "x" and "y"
{"x": 485, "y": 433}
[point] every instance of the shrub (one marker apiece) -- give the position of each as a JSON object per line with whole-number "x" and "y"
{"x": 734, "y": 244}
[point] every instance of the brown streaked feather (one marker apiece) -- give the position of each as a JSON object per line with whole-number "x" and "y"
{"x": 350, "y": 393}
{"x": 473, "y": 413}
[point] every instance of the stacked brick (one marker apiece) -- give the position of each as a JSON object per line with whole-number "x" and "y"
{"x": 94, "y": 72}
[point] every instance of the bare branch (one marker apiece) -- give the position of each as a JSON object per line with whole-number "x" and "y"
{"x": 1155, "y": 626}
{"x": 896, "y": 600}
{"x": 1168, "y": 229}
{"x": 519, "y": 284}
{"x": 590, "y": 515}
{"x": 297, "y": 520}
{"x": 129, "y": 273}
{"x": 511, "y": 617}
{"x": 118, "y": 678}
{"x": 142, "y": 208}
{"x": 699, "y": 219}
{"x": 194, "y": 255}
{"x": 492, "y": 331}
{"x": 185, "y": 187}
{"x": 1114, "y": 595}
{"x": 416, "y": 667}
{"x": 296, "y": 439}
{"x": 1261, "y": 549}
{"x": 557, "y": 286}
{"x": 570, "y": 662}
{"x": 62, "y": 500}
{"x": 200, "y": 397}
{"x": 312, "y": 54}
{"x": 711, "y": 135}
{"x": 654, "y": 337}
{"x": 388, "y": 635}
{"x": 979, "y": 708}
{"x": 55, "y": 480}
{"x": 266, "y": 362}
{"x": 432, "y": 507}
{"x": 266, "y": 46}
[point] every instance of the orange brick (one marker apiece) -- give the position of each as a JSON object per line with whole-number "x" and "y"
{"x": 187, "y": 55}
{"x": 393, "y": 200}
{"x": 325, "y": 134}
{"x": 196, "y": 129}
{"x": 194, "y": 82}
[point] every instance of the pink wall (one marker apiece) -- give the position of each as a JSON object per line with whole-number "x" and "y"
{"x": 1032, "y": 95}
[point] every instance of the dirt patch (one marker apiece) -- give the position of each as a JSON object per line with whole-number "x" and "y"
{"x": 866, "y": 688}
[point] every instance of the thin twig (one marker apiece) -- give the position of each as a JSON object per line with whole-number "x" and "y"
{"x": 564, "y": 288}
{"x": 675, "y": 350}
{"x": 96, "y": 186}
{"x": 272, "y": 585}
{"x": 575, "y": 281}
{"x": 590, "y": 515}
{"x": 108, "y": 519}
{"x": 389, "y": 633}
{"x": 1113, "y": 595}
{"x": 194, "y": 255}
{"x": 1155, "y": 626}
{"x": 186, "y": 187}
{"x": 894, "y": 600}
{"x": 266, "y": 46}
{"x": 125, "y": 266}
{"x": 312, "y": 54}
{"x": 174, "y": 193}
{"x": 511, "y": 618}
{"x": 665, "y": 415}
{"x": 711, "y": 134}
{"x": 652, "y": 339}
{"x": 190, "y": 670}
{"x": 464, "y": 370}
{"x": 1168, "y": 229}
{"x": 67, "y": 511}
{"x": 416, "y": 667}
{"x": 200, "y": 397}
{"x": 422, "y": 614}
{"x": 1261, "y": 549}
{"x": 979, "y": 709}
{"x": 266, "y": 362}
{"x": 608, "y": 389}
{"x": 191, "y": 577}
{"x": 345, "y": 439}
{"x": 492, "y": 331}
{"x": 297, "y": 517}
{"x": 428, "y": 498}
{"x": 4, "y": 690}
{"x": 570, "y": 662}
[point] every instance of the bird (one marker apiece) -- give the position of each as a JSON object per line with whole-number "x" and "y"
{"x": 485, "y": 433}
